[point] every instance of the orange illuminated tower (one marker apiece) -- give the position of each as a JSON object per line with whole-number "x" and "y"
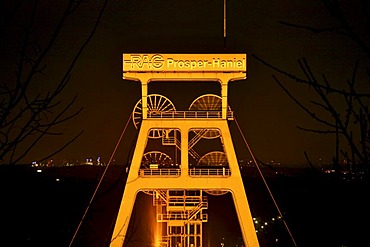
{"x": 179, "y": 183}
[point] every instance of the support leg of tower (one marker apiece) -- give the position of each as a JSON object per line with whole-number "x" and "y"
{"x": 124, "y": 215}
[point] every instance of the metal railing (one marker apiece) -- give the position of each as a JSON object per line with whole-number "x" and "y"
{"x": 212, "y": 172}
{"x": 190, "y": 114}
{"x": 187, "y": 201}
{"x": 194, "y": 172}
{"x": 163, "y": 172}
{"x": 179, "y": 216}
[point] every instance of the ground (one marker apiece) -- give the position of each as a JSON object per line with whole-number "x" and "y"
{"x": 45, "y": 208}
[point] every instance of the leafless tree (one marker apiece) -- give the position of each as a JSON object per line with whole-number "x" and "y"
{"x": 342, "y": 111}
{"x": 26, "y": 114}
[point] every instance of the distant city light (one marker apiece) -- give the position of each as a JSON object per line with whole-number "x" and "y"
{"x": 64, "y": 162}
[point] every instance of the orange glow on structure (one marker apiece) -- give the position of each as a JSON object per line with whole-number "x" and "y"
{"x": 185, "y": 210}
{"x": 157, "y": 234}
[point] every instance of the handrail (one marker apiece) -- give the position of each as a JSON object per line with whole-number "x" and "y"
{"x": 186, "y": 201}
{"x": 194, "y": 172}
{"x": 190, "y": 114}
{"x": 197, "y": 137}
{"x": 198, "y": 209}
{"x": 179, "y": 216}
{"x": 163, "y": 172}
{"x": 212, "y": 172}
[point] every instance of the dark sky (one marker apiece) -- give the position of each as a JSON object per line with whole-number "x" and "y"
{"x": 266, "y": 115}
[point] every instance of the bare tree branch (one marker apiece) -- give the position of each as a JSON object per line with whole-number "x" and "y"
{"x": 25, "y": 118}
{"x": 349, "y": 123}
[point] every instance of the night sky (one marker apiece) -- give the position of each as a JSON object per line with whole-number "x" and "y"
{"x": 266, "y": 115}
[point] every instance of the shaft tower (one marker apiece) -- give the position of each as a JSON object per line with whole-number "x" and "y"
{"x": 180, "y": 182}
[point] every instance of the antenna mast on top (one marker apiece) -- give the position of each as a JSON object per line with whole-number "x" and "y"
{"x": 224, "y": 25}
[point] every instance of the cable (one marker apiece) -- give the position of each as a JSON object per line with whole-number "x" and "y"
{"x": 100, "y": 181}
{"x": 264, "y": 181}
{"x": 127, "y": 165}
{"x": 123, "y": 172}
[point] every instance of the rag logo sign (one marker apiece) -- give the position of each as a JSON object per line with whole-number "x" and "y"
{"x": 189, "y": 63}
{"x": 145, "y": 62}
